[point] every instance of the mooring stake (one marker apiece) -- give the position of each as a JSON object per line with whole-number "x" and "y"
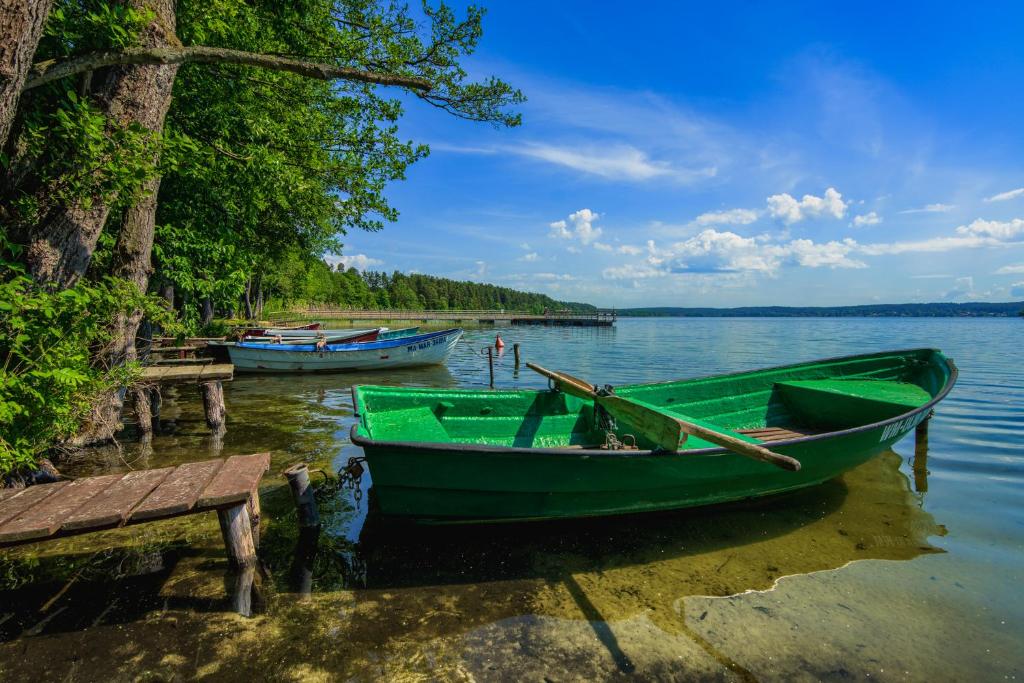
{"x": 303, "y": 495}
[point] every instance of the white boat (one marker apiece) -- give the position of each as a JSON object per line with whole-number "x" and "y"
{"x": 304, "y": 333}
{"x": 422, "y": 349}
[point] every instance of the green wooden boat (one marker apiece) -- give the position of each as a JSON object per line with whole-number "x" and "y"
{"x": 451, "y": 455}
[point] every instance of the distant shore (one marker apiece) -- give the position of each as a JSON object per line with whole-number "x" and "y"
{"x": 931, "y": 310}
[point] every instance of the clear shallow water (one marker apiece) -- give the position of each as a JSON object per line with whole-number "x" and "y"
{"x": 893, "y": 571}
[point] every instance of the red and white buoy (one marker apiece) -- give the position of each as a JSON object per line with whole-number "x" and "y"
{"x": 498, "y": 343}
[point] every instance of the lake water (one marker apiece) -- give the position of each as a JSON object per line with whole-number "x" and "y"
{"x": 905, "y": 568}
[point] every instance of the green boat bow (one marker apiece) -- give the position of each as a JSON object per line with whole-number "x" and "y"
{"x": 450, "y": 455}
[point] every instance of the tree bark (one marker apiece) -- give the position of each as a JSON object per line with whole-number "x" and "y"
{"x": 146, "y": 97}
{"x": 21, "y": 26}
{"x": 62, "y": 245}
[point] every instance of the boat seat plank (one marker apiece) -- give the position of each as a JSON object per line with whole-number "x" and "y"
{"x": 179, "y": 492}
{"x": 23, "y": 499}
{"x": 112, "y": 506}
{"x": 45, "y": 518}
{"x": 775, "y": 433}
{"x": 235, "y": 481}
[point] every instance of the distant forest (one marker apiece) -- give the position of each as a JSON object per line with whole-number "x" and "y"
{"x": 299, "y": 282}
{"x": 935, "y": 310}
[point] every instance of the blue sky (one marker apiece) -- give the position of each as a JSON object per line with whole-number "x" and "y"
{"x": 729, "y": 154}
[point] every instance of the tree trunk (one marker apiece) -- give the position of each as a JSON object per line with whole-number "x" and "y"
{"x": 207, "y": 316}
{"x": 62, "y": 245}
{"x": 21, "y": 26}
{"x": 247, "y": 299}
{"x": 149, "y": 89}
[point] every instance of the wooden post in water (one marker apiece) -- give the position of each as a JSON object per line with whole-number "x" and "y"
{"x": 143, "y": 412}
{"x": 490, "y": 364}
{"x": 515, "y": 350}
{"x": 155, "y": 401}
{"x": 303, "y": 495}
{"x": 213, "y": 404}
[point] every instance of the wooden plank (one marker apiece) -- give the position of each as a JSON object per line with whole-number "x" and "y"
{"x": 12, "y": 506}
{"x": 236, "y": 481}
{"x": 112, "y": 506}
{"x": 9, "y": 493}
{"x": 178, "y": 492}
{"x": 194, "y": 374}
{"x": 44, "y": 519}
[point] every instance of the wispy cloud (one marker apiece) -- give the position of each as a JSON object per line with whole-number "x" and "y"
{"x": 931, "y": 208}
{"x": 728, "y": 217}
{"x": 1006, "y": 196}
{"x": 1011, "y": 269}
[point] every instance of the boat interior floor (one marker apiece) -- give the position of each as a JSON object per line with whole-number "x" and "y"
{"x": 778, "y": 433}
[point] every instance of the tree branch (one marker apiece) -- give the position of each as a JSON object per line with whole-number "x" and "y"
{"x": 51, "y": 70}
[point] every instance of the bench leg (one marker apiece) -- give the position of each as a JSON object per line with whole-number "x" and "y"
{"x": 237, "y": 531}
{"x": 213, "y": 404}
{"x": 253, "y": 508}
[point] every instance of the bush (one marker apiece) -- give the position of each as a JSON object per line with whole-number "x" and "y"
{"x": 49, "y": 342}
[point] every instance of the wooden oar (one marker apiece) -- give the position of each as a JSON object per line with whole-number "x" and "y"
{"x": 668, "y": 431}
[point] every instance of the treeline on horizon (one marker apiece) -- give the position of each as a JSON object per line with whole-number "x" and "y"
{"x": 300, "y": 282}
{"x": 930, "y": 310}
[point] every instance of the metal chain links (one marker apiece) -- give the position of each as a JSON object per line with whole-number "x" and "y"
{"x": 351, "y": 478}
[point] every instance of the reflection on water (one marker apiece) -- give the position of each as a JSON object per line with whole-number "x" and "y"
{"x": 841, "y": 580}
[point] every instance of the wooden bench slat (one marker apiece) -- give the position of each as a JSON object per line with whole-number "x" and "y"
{"x": 45, "y": 518}
{"x": 236, "y": 481}
{"x": 24, "y": 499}
{"x": 9, "y": 493}
{"x": 178, "y": 492}
{"x": 112, "y": 506}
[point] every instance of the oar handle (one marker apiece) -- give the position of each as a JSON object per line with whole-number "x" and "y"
{"x": 570, "y": 385}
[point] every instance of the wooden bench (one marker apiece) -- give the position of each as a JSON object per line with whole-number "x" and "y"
{"x": 110, "y": 501}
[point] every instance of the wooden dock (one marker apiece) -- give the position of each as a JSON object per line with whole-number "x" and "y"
{"x": 188, "y": 374}
{"x": 600, "y": 318}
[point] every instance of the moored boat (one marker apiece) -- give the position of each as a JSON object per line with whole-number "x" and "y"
{"x": 423, "y": 349}
{"x": 450, "y": 455}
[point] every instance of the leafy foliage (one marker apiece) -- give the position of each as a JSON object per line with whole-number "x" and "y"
{"x": 48, "y": 341}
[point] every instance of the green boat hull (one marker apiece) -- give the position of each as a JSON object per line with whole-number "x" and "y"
{"x": 450, "y": 456}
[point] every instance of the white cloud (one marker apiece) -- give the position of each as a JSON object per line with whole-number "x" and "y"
{"x": 1005, "y": 196}
{"x": 1011, "y": 269}
{"x": 729, "y": 217}
{"x": 1002, "y": 230}
{"x": 1017, "y": 289}
{"x": 932, "y": 208}
{"x": 525, "y": 246}
{"x": 601, "y": 246}
{"x": 870, "y": 218}
{"x": 572, "y": 249}
{"x": 551, "y": 277}
{"x": 357, "y": 261}
{"x": 582, "y": 228}
{"x": 481, "y": 268}
{"x": 633, "y": 272}
{"x": 529, "y": 258}
{"x": 614, "y": 162}
{"x": 630, "y": 250}
{"x": 786, "y": 207}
